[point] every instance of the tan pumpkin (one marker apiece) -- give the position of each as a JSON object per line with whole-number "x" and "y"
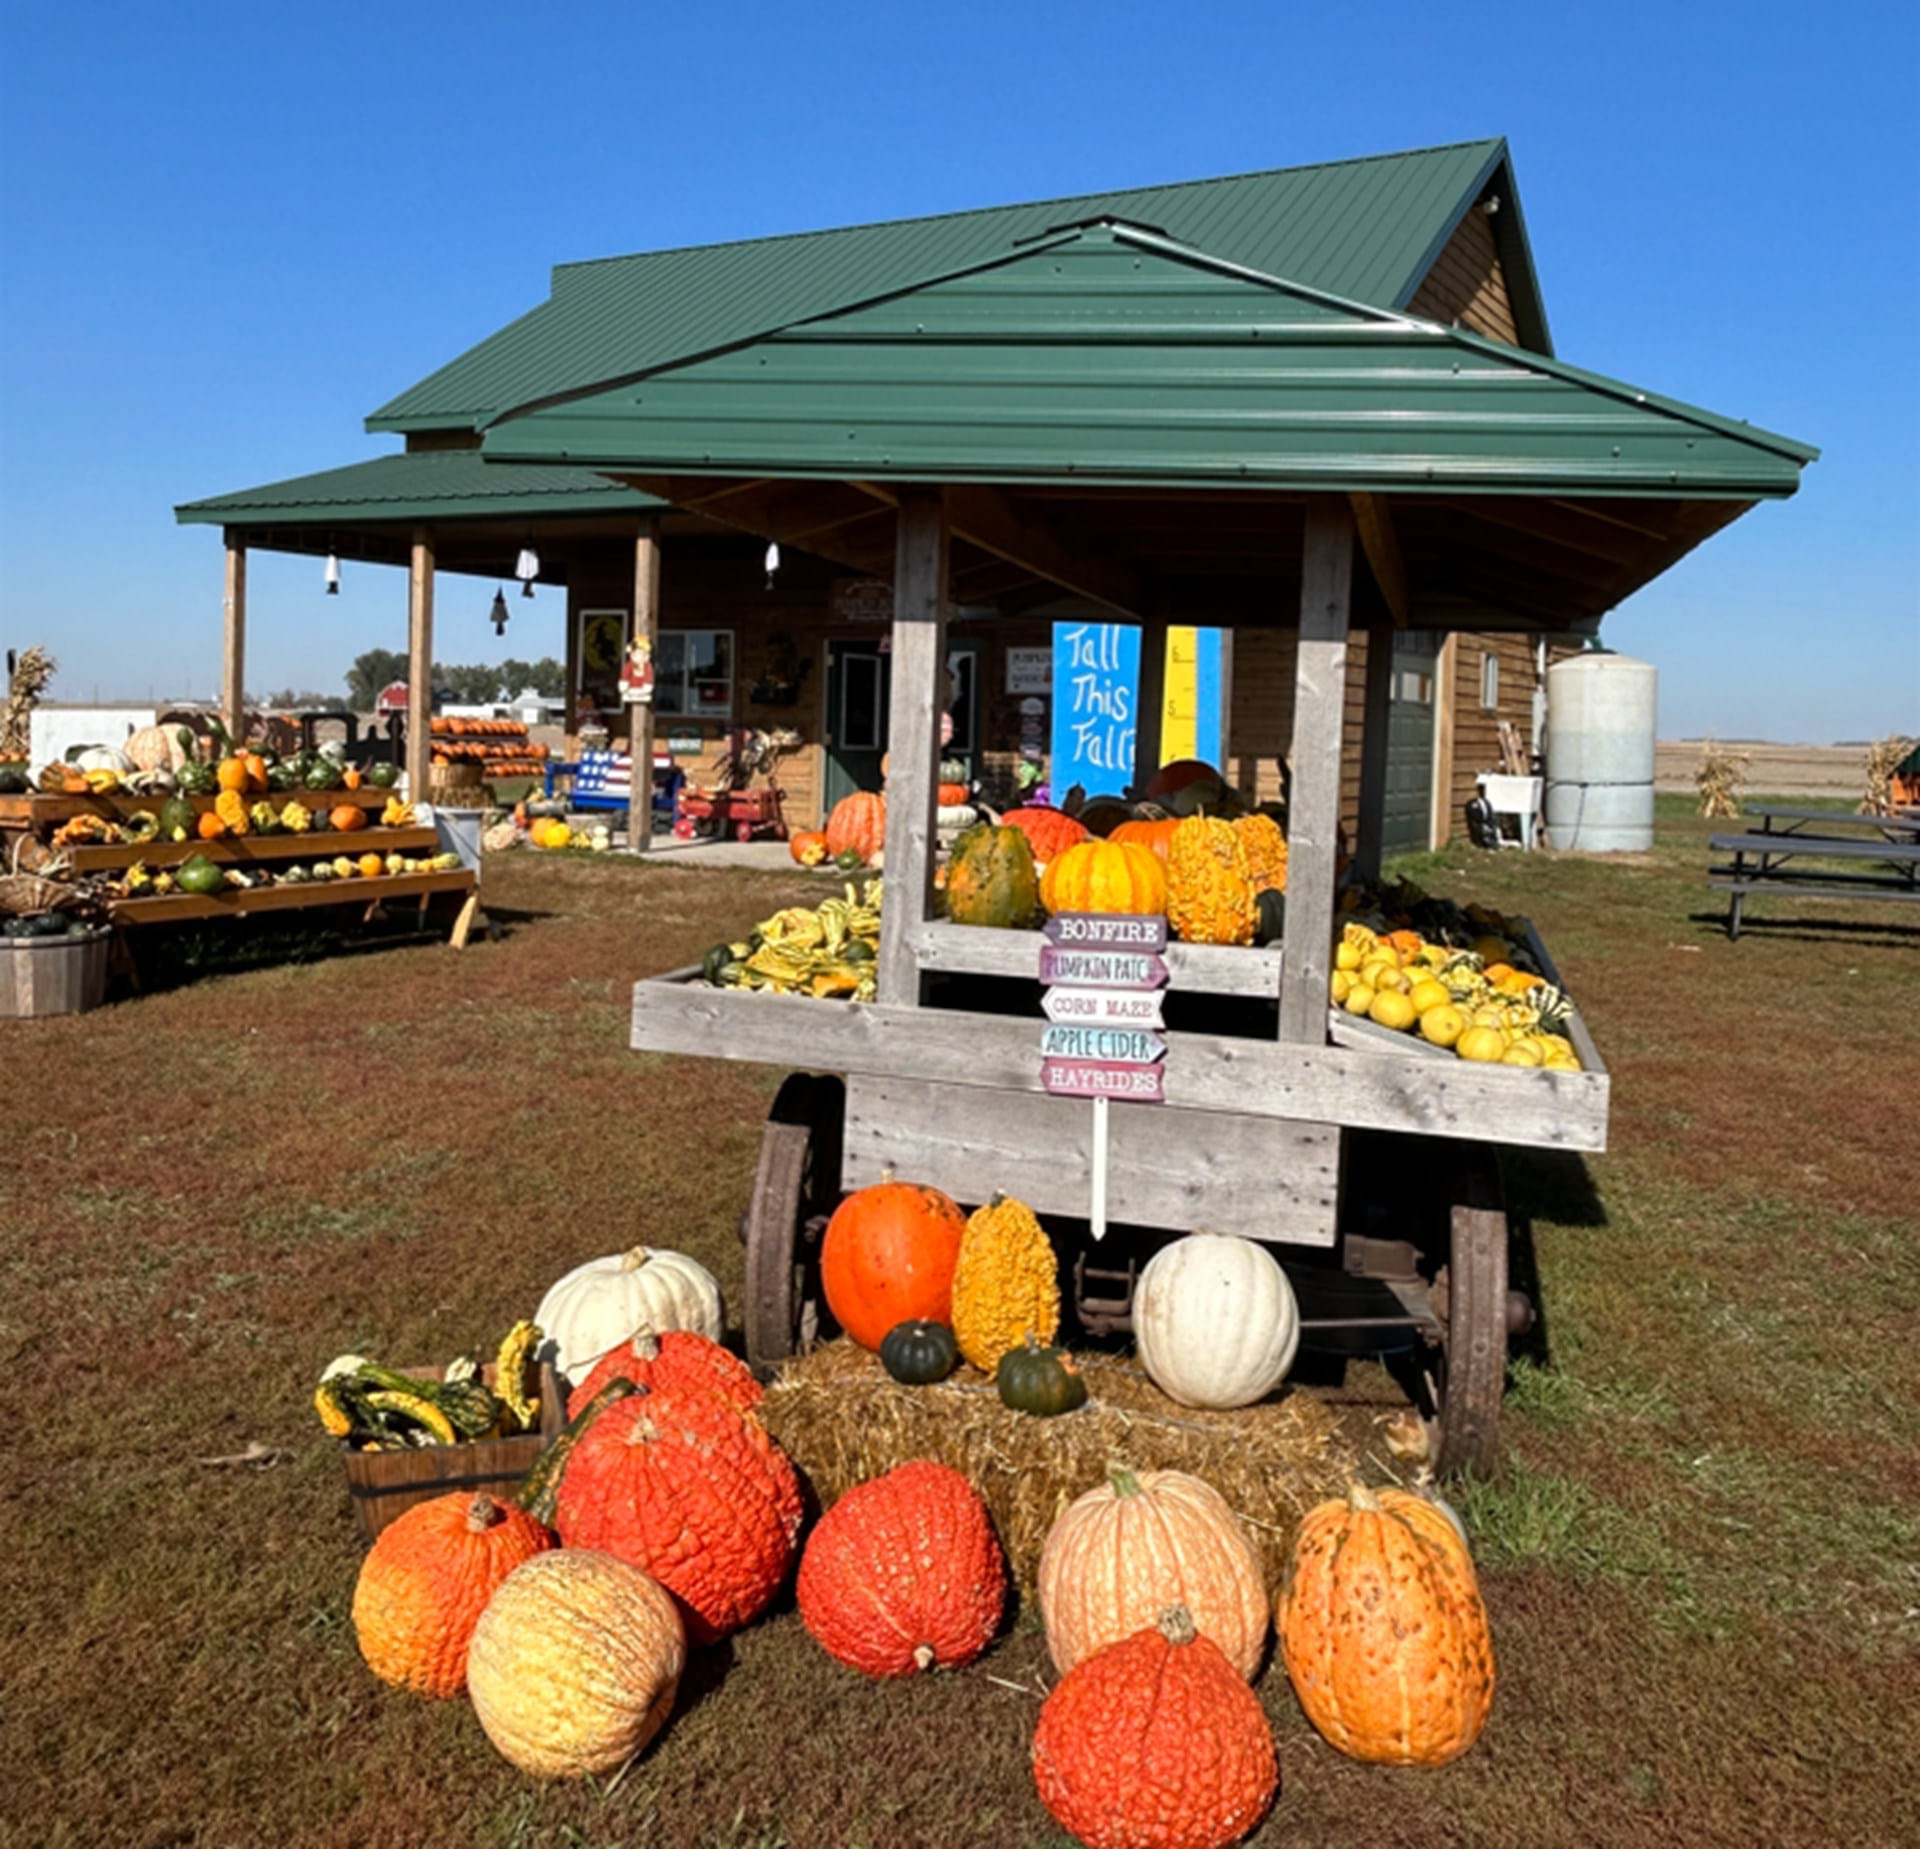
{"x": 156, "y": 747}
{"x": 1139, "y": 1543}
{"x": 1105, "y": 876}
{"x": 1210, "y": 894}
{"x": 1266, "y": 850}
{"x": 1383, "y": 1630}
{"x": 858, "y": 825}
{"x": 575, "y": 1663}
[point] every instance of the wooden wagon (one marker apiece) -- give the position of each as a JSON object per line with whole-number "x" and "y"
{"x": 1099, "y": 421}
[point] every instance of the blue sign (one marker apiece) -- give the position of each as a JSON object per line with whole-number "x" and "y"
{"x": 1096, "y": 693}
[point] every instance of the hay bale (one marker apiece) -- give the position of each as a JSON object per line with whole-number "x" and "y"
{"x": 842, "y": 1420}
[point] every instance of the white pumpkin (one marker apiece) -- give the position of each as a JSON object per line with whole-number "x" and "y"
{"x": 607, "y": 1301}
{"x": 103, "y": 757}
{"x": 1215, "y": 1321}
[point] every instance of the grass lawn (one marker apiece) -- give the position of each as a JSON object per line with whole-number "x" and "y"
{"x": 1702, "y": 1557}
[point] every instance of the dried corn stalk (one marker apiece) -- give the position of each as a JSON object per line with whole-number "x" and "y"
{"x": 33, "y": 668}
{"x": 1884, "y": 757}
{"x": 1720, "y": 779}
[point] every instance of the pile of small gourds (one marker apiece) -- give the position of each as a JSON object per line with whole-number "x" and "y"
{"x": 376, "y": 1408}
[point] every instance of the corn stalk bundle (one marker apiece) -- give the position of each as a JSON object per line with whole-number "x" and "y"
{"x": 33, "y": 669}
{"x": 1884, "y": 756}
{"x": 1720, "y": 779}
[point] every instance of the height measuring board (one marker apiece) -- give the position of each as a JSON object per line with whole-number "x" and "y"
{"x": 1102, "y": 973}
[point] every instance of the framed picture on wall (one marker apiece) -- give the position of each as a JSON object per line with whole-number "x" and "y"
{"x": 603, "y": 642}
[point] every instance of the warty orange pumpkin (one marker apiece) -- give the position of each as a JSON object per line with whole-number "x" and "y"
{"x": 858, "y": 823}
{"x": 1383, "y": 1629}
{"x": 575, "y": 1663}
{"x": 1139, "y": 1544}
{"x": 680, "y": 1361}
{"x": 1210, "y": 897}
{"x": 684, "y": 1488}
{"x": 1048, "y": 832}
{"x": 1155, "y": 1743}
{"x": 888, "y": 1257}
{"x": 427, "y": 1579}
{"x": 903, "y": 1574}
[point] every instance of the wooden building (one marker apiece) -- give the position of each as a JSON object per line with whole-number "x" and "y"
{"x": 1435, "y": 235}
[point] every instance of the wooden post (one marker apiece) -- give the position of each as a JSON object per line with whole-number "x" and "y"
{"x": 1313, "y": 821}
{"x": 1373, "y": 753}
{"x": 420, "y": 665}
{"x": 1446, "y": 674}
{"x": 646, "y": 627}
{"x": 913, "y": 736}
{"x": 1226, "y": 716}
{"x": 1153, "y": 700}
{"x": 233, "y": 673}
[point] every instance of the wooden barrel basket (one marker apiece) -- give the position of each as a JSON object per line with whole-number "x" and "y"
{"x": 54, "y": 975}
{"x": 385, "y": 1484}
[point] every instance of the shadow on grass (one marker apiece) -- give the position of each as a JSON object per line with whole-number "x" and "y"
{"x": 1867, "y": 932}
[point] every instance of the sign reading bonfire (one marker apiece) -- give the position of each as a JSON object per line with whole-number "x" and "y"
{"x": 1103, "y": 972}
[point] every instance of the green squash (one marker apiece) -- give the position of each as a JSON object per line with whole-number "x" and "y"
{"x": 540, "y": 1491}
{"x": 1270, "y": 917}
{"x": 382, "y": 776}
{"x": 283, "y": 776}
{"x": 917, "y": 1353}
{"x": 14, "y": 780}
{"x": 856, "y": 950}
{"x": 850, "y": 860}
{"x": 321, "y": 774}
{"x": 715, "y": 961}
{"x": 991, "y": 879}
{"x": 1042, "y": 1381}
{"x": 199, "y": 876}
{"x": 197, "y": 779}
{"x": 178, "y": 819}
{"x": 41, "y": 924}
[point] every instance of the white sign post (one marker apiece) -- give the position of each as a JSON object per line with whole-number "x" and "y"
{"x": 1103, "y": 973}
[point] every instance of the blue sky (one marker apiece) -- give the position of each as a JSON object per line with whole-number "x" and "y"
{"x": 227, "y": 232}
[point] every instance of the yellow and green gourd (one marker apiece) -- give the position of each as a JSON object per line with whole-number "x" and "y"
{"x": 1006, "y": 1283}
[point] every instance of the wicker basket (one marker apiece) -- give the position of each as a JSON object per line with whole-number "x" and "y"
{"x": 385, "y": 1484}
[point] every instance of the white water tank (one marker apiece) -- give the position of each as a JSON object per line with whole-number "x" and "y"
{"x": 1600, "y": 724}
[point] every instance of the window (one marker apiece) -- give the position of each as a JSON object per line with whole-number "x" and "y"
{"x": 693, "y": 673}
{"x": 1490, "y": 682}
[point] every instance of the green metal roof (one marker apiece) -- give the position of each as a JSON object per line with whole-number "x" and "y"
{"x": 430, "y": 485}
{"x": 1364, "y": 229}
{"x": 1109, "y": 354}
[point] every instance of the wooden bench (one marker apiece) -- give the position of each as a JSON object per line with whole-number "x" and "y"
{"x": 1891, "y": 870}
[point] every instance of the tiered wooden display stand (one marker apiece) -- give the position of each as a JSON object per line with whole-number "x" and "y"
{"x": 43, "y": 814}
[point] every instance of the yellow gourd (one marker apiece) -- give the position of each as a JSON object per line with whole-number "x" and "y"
{"x": 231, "y": 808}
{"x": 1006, "y": 1283}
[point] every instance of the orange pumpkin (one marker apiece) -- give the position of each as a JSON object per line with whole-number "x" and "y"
{"x": 350, "y": 778}
{"x": 888, "y": 1258}
{"x": 346, "y": 818}
{"x": 809, "y": 848}
{"x": 232, "y": 775}
{"x": 1105, "y": 876}
{"x": 1048, "y": 832}
{"x": 1383, "y": 1630}
{"x": 256, "y": 770}
{"x": 1154, "y": 835}
{"x": 426, "y": 1581}
{"x": 210, "y": 826}
{"x": 859, "y": 823}
{"x": 371, "y": 866}
{"x": 953, "y": 795}
{"x": 1155, "y": 1743}
{"x": 678, "y": 1361}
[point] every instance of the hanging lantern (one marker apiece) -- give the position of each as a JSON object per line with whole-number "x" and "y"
{"x": 499, "y": 611}
{"x": 333, "y": 574}
{"x": 773, "y": 562}
{"x": 526, "y": 568}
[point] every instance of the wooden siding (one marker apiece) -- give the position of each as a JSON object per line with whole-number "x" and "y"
{"x": 1467, "y": 284}
{"x": 1262, "y": 733}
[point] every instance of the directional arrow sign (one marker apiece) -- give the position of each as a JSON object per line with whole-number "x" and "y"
{"x": 1094, "y": 1078}
{"x": 1104, "y": 1007}
{"x": 1102, "y": 969}
{"x": 1133, "y": 1046}
{"x": 1106, "y": 931}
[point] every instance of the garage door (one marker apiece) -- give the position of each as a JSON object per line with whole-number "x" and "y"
{"x": 1407, "y": 824}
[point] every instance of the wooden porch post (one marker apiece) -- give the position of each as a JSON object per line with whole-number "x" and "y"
{"x": 913, "y": 735}
{"x": 1153, "y": 700}
{"x": 1373, "y": 753}
{"x": 420, "y": 664}
{"x": 233, "y": 671}
{"x": 1313, "y": 821}
{"x": 1446, "y": 675}
{"x": 646, "y": 627}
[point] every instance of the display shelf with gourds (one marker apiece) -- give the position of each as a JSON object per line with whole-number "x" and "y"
{"x": 500, "y": 747}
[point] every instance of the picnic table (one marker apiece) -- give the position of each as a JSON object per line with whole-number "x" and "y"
{"x": 1761, "y": 857}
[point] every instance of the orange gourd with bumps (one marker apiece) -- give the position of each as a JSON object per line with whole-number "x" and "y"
{"x": 426, "y": 1581}
{"x": 680, "y": 1361}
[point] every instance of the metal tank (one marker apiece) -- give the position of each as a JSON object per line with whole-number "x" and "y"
{"x": 1600, "y": 727}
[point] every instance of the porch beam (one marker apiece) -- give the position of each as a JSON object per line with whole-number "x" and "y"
{"x": 1370, "y": 843}
{"x": 1373, "y": 519}
{"x": 420, "y": 664}
{"x": 921, "y": 547}
{"x": 233, "y": 660}
{"x": 1313, "y": 817}
{"x": 646, "y": 628}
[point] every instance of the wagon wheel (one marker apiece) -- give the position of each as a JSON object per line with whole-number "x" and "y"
{"x": 1467, "y": 1370}
{"x": 795, "y": 1187}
